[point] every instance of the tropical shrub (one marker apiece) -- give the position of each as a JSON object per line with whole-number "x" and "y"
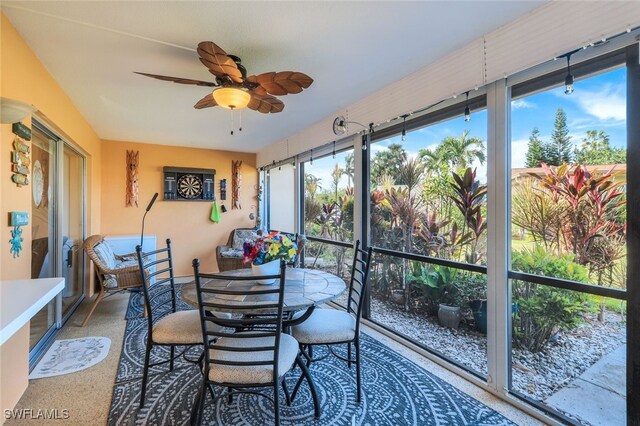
{"x": 543, "y": 310}
{"x": 433, "y": 284}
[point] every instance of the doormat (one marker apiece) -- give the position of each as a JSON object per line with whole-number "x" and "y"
{"x": 71, "y": 355}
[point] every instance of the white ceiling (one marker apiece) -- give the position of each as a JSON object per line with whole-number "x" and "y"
{"x": 350, "y": 49}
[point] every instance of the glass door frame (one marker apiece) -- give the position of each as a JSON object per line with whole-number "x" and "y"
{"x": 57, "y": 195}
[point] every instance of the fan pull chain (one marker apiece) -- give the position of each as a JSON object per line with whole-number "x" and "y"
{"x": 231, "y": 121}
{"x": 240, "y": 128}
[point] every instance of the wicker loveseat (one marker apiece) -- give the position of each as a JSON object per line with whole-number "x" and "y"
{"x": 229, "y": 256}
{"x": 115, "y": 273}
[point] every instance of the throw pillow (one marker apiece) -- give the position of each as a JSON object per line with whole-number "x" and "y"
{"x": 240, "y": 236}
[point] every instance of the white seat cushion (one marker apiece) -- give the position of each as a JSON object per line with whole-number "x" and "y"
{"x": 180, "y": 328}
{"x": 239, "y": 374}
{"x": 325, "y": 326}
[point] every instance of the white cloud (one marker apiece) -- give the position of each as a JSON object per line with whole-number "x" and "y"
{"x": 519, "y": 152}
{"x": 608, "y": 103}
{"x": 522, "y": 104}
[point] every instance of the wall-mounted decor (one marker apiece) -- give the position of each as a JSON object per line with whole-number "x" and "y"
{"x": 188, "y": 184}
{"x": 21, "y": 161}
{"x": 17, "y": 220}
{"x": 235, "y": 184}
{"x": 223, "y": 189}
{"x": 21, "y": 130}
{"x": 132, "y": 178}
{"x": 38, "y": 183}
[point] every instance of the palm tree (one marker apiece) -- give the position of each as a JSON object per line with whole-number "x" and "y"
{"x": 312, "y": 184}
{"x": 462, "y": 151}
{"x": 456, "y": 152}
{"x": 349, "y": 168}
{"x": 336, "y": 174}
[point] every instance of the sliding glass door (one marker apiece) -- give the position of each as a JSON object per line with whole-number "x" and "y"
{"x": 43, "y": 225}
{"x": 57, "y": 226}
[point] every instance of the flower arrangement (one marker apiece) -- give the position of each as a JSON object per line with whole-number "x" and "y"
{"x": 271, "y": 247}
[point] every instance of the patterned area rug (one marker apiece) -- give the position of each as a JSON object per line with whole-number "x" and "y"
{"x": 71, "y": 355}
{"x": 396, "y": 392}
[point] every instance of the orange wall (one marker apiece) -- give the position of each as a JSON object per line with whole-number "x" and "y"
{"x": 187, "y": 223}
{"x": 24, "y": 78}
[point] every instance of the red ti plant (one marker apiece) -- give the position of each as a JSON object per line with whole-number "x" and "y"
{"x": 469, "y": 198}
{"x": 593, "y": 203}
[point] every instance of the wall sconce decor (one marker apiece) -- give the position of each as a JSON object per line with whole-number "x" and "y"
{"x": 18, "y": 219}
{"x": 223, "y": 189}
{"x": 20, "y": 162}
{"x": 12, "y": 111}
{"x": 132, "y": 178}
{"x": 235, "y": 184}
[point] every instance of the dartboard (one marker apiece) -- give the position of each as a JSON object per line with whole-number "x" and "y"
{"x": 189, "y": 186}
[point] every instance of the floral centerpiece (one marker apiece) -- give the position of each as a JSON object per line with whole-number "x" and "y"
{"x": 265, "y": 253}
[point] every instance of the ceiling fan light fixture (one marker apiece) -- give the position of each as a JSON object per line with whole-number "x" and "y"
{"x": 231, "y": 97}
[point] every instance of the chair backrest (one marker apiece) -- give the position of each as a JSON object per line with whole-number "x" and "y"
{"x": 248, "y": 298}
{"x": 159, "y": 299}
{"x": 89, "y": 247}
{"x": 359, "y": 280}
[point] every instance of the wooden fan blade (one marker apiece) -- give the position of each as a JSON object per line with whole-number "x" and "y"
{"x": 218, "y": 62}
{"x": 265, "y": 103}
{"x": 282, "y": 83}
{"x": 178, "y": 79}
{"x": 206, "y": 102}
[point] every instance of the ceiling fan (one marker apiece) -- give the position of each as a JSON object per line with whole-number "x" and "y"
{"x": 233, "y": 89}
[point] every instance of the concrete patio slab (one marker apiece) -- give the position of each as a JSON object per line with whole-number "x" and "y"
{"x": 599, "y": 394}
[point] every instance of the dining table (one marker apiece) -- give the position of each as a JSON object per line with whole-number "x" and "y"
{"x": 304, "y": 290}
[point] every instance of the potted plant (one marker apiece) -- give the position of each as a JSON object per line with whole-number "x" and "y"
{"x": 472, "y": 290}
{"x": 449, "y": 310}
{"x": 265, "y": 254}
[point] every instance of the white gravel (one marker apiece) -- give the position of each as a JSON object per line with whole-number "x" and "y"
{"x": 537, "y": 375}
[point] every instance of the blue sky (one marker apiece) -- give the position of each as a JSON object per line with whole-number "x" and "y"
{"x": 598, "y": 103}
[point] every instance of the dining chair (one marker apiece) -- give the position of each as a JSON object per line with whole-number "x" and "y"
{"x": 332, "y": 327}
{"x": 244, "y": 352}
{"x": 166, "y": 325}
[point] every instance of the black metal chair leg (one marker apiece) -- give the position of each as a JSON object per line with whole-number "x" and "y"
{"x": 203, "y": 397}
{"x": 171, "y": 354}
{"x": 358, "y": 378}
{"x": 230, "y": 397}
{"x": 312, "y": 387}
{"x": 349, "y": 355}
{"x": 145, "y": 374}
{"x": 299, "y": 382}
{"x": 195, "y": 409}
{"x": 276, "y": 404}
{"x": 286, "y": 392}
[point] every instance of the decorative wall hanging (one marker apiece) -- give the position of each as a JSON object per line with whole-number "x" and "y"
{"x": 18, "y": 219}
{"x": 21, "y": 130}
{"x": 188, "y": 184}
{"x": 21, "y": 161}
{"x": 132, "y": 178}
{"x": 223, "y": 189}
{"x": 235, "y": 184}
{"x": 38, "y": 183}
